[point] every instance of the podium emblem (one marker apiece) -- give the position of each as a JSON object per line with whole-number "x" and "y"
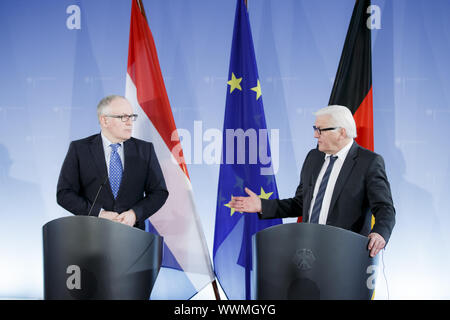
{"x": 304, "y": 259}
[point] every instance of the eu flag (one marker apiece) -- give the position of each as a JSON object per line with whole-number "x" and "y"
{"x": 245, "y": 163}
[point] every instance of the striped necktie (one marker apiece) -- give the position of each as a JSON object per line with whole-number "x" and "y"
{"x": 321, "y": 193}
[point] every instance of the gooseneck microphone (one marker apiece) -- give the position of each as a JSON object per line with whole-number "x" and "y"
{"x": 96, "y": 196}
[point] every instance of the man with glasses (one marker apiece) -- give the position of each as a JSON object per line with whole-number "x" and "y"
{"x": 341, "y": 184}
{"x": 112, "y": 175}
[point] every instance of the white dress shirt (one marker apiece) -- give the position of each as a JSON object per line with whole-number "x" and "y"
{"x": 342, "y": 154}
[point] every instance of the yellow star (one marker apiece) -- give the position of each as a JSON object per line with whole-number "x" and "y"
{"x": 232, "y": 209}
{"x": 264, "y": 195}
{"x": 257, "y": 89}
{"x": 234, "y": 83}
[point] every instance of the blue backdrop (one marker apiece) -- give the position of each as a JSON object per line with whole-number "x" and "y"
{"x": 60, "y": 57}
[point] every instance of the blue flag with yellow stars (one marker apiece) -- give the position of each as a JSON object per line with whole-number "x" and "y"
{"x": 245, "y": 163}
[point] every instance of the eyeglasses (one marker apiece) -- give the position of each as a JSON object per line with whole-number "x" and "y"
{"x": 319, "y": 130}
{"x": 124, "y": 117}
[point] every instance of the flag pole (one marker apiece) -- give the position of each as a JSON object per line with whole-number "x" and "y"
{"x": 141, "y": 7}
{"x": 214, "y": 283}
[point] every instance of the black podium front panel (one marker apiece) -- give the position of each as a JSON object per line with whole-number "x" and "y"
{"x": 311, "y": 261}
{"x": 93, "y": 258}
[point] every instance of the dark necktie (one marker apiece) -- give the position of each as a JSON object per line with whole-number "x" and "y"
{"x": 115, "y": 169}
{"x": 321, "y": 193}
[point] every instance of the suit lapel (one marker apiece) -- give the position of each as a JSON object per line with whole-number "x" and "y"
{"x": 130, "y": 154}
{"x": 346, "y": 170}
{"x": 98, "y": 155}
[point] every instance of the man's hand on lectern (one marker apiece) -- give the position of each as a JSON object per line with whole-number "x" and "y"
{"x": 376, "y": 243}
{"x": 110, "y": 215}
{"x": 127, "y": 217}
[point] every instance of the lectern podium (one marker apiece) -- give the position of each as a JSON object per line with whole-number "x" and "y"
{"x": 92, "y": 258}
{"x": 311, "y": 261}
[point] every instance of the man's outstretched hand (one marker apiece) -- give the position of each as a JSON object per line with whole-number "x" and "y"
{"x": 252, "y": 203}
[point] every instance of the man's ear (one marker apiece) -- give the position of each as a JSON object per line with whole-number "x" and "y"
{"x": 103, "y": 120}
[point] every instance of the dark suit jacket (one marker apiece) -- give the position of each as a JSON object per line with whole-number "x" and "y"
{"x": 362, "y": 189}
{"x": 142, "y": 189}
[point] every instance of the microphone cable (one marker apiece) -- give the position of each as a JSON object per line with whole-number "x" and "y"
{"x": 384, "y": 273}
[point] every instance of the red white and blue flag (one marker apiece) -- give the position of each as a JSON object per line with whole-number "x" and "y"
{"x": 186, "y": 267}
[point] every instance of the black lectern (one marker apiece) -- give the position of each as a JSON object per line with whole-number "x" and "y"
{"x": 92, "y": 258}
{"x": 311, "y": 261}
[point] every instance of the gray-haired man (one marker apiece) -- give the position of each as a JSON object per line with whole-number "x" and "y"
{"x": 341, "y": 184}
{"x": 122, "y": 173}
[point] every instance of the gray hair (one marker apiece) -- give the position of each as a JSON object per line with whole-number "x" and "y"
{"x": 105, "y": 102}
{"x": 341, "y": 117}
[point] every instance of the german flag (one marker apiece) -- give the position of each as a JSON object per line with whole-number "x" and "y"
{"x": 353, "y": 83}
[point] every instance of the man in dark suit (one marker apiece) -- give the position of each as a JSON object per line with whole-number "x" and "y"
{"x": 124, "y": 169}
{"x": 341, "y": 184}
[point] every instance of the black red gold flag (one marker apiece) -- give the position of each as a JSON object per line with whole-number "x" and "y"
{"x": 353, "y": 83}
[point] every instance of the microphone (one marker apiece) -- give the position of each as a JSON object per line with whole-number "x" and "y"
{"x": 98, "y": 192}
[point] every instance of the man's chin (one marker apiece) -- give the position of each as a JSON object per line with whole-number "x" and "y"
{"x": 126, "y": 137}
{"x": 323, "y": 150}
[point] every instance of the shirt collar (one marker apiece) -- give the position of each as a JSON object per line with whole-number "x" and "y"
{"x": 342, "y": 154}
{"x": 106, "y": 142}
